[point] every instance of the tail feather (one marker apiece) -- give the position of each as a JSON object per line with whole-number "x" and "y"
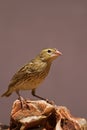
{"x": 7, "y": 94}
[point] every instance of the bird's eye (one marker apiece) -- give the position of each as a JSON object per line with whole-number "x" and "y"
{"x": 49, "y": 51}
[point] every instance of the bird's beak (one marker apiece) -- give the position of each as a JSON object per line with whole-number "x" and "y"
{"x": 58, "y": 53}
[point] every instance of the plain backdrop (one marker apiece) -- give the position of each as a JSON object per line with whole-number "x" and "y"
{"x": 28, "y": 26}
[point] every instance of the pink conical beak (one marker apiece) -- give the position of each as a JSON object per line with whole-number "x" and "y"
{"x": 58, "y": 52}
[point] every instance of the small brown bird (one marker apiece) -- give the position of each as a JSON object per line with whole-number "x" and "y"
{"x": 32, "y": 74}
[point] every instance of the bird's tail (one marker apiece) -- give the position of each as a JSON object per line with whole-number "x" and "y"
{"x": 7, "y": 93}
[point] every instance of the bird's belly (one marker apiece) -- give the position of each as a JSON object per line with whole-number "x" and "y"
{"x": 29, "y": 85}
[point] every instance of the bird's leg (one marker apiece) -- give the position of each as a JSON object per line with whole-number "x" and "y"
{"x": 34, "y": 94}
{"x": 21, "y": 101}
{"x": 19, "y": 98}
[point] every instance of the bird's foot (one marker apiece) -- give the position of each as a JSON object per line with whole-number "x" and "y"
{"x": 50, "y": 102}
{"x": 23, "y": 103}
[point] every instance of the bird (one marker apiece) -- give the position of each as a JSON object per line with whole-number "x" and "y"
{"x": 33, "y": 73}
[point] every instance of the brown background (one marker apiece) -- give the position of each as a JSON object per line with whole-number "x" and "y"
{"x": 27, "y": 26}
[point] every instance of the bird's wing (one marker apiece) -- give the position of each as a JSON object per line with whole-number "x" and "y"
{"x": 24, "y": 73}
{"x": 27, "y": 72}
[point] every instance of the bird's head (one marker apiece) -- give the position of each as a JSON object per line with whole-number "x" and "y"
{"x": 49, "y": 54}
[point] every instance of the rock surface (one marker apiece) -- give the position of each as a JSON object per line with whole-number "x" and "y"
{"x": 4, "y": 127}
{"x": 40, "y": 115}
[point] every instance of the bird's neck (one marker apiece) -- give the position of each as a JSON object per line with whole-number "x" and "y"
{"x": 44, "y": 65}
{"x": 47, "y": 68}
{"x": 41, "y": 59}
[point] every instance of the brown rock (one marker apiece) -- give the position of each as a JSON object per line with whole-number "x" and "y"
{"x": 40, "y": 115}
{"x": 4, "y": 127}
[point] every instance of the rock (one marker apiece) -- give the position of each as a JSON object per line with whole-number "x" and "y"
{"x": 4, "y": 127}
{"x": 40, "y": 115}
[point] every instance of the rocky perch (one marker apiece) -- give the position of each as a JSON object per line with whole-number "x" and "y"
{"x": 40, "y": 115}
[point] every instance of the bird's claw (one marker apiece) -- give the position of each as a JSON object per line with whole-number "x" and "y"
{"x": 50, "y": 102}
{"x": 23, "y": 103}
